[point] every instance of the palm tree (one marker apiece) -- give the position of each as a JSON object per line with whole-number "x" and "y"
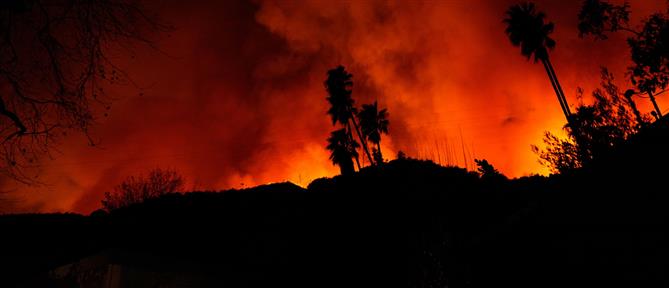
{"x": 528, "y": 29}
{"x": 373, "y": 123}
{"x": 342, "y": 109}
{"x": 342, "y": 150}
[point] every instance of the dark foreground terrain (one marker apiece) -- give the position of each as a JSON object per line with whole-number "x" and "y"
{"x": 603, "y": 225}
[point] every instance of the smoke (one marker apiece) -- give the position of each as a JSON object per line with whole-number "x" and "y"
{"x": 235, "y": 95}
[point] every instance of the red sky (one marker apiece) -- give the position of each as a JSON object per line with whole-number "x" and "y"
{"x": 235, "y": 97}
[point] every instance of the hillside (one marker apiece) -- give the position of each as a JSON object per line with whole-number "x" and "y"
{"x": 600, "y": 226}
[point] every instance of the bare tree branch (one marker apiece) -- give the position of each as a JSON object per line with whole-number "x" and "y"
{"x": 54, "y": 68}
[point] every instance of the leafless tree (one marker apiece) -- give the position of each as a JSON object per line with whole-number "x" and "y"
{"x": 137, "y": 189}
{"x": 55, "y": 62}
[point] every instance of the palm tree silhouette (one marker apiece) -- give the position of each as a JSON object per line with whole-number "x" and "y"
{"x": 528, "y": 29}
{"x": 342, "y": 109}
{"x": 342, "y": 149}
{"x": 373, "y": 123}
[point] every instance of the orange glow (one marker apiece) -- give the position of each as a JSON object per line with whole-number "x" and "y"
{"x": 237, "y": 99}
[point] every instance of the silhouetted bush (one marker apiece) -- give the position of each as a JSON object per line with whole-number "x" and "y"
{"x": 137, "y": 189}
{"x": 594, "y": 129}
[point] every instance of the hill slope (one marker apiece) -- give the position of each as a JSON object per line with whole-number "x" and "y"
{"x": 600, "y": 226}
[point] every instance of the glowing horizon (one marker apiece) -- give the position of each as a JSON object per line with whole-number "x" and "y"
{"x": 235, "y": 98}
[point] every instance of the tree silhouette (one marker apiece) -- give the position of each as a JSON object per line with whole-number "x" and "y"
{"x": 54, "y": 67}
{"x": 598, "y": 127}
{"x": 598, "y": 17}
{"x": 559, "y": 155}
{"x": 487, "y": 171}
{"x": 342, "y": 109}
{"x": 141, "y": 188}
{"x": 373, "y": 123}
{"x": 649, "y": 46}
{"x": 527, "y": 28}
{"x": 650, "y": 54}
{"x": 342, "y": 150}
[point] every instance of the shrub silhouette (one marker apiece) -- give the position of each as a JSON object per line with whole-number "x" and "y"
{"x": 598, "y": 127}
{"x": 137, "y": 189}
{"x": 486, "y": 169}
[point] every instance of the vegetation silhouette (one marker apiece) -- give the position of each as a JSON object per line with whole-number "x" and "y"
{"x": 637, "y": 114}
{"x": 373, "y": 123}
{"x": 342, "y": 109}
{"x": 649, "y": 72}
{"x": 597, "y": 222}
{"x": 462, "y": 229}
{"x": 527, "y": 28}
{"x": 486, "y": 170}
{"x": 137, "y": 189}
{"x": 599, "y": 127}
{"x": 55, "y": 68}
{"x": 595, "y": 128}
{"x": 343, "y": 150}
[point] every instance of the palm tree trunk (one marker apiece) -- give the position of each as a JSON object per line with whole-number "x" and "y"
{"x": 350, "y": 136}
{"x": 575, "y": 127}
{"x": 556, "y": 87}
{"x": 362, "y": 140}
{"x": 559, "y": 87}
{"x": 378, "y": 146}
{"x": 657, "y": 108}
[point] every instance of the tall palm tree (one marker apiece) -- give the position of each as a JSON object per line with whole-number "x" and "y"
{"x": 342, "y": 109}
{"x": 527, "y": 28}
{"x": 342, "y": 150}
{"x": 373, "y": 123}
